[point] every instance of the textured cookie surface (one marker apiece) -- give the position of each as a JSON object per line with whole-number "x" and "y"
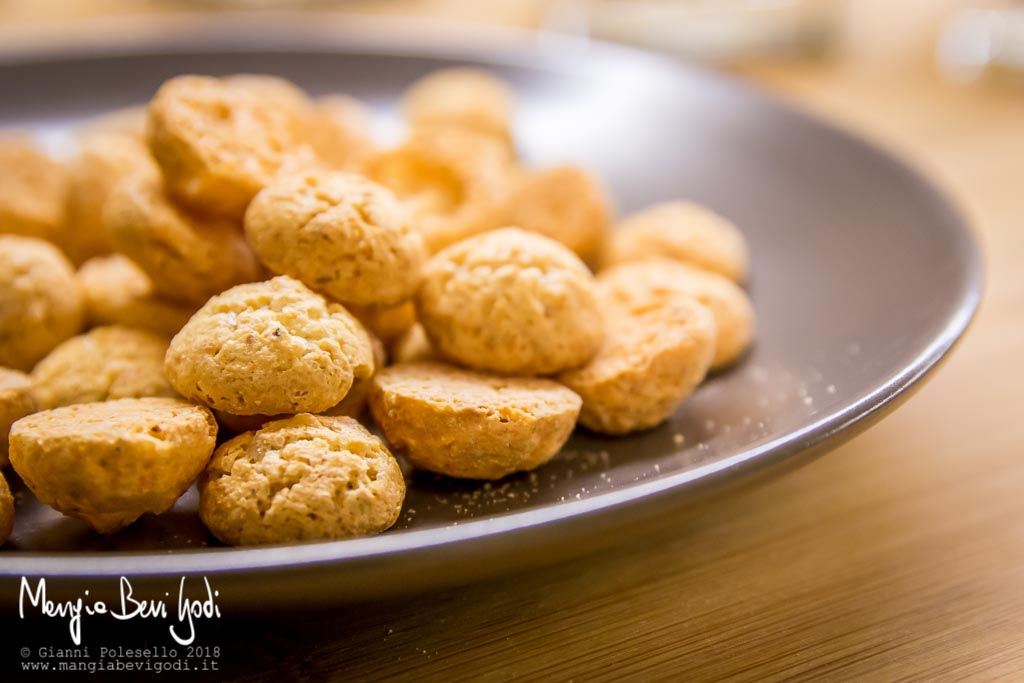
{"x": 269, "y": 347}
{"x": 470, "y": 424}
{"x": 461, "y": 97}
{"x": 40, "y": 305}
{"x": 656, "y": 351}
{"x": 339, "y": 234}
{"x": 510, "y": 301}
{"x": 108, "y": 463}
{"x": 104, "y": 159}
{"x": 104, "y": 364}
{"x": 664, "y": 278}
{"x": 682, "y": 231}
{"x": 16, "y": 401}
{"x": 450, "y": 180}
{"x": 565, "y": 203}
{"x": 118, "y": 292}
{"x": 218, "y": 144}
{"x": 188, "y": 258}
{"x": 304, "y": 478}
{"x": 31, "y": 190}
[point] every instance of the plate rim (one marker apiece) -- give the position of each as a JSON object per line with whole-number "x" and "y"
{"x": 373, "y": 35}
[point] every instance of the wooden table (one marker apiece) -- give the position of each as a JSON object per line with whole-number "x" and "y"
{"x": 898, "y": 556}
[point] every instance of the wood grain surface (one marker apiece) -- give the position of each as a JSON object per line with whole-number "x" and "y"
{"x": 899, "y": 556}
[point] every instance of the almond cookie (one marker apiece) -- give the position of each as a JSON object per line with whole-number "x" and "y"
{"x": 304, "y": 478}
{"x": 40, "y": 305}
{"x": 683, "y": 231}
{"x": 469, "y": 424}
{"x": 118, "y": 292}
{"x": 656, "y": 351}
{"x": 31, "y": 189}
{"x": 461, "y": 97}
{"x": 267, "y": 348}
{"x": 451, "y": 180}
{"x": 104, "y": 364}
{"x": 6, "y": 510}
{"x": 219, "y": 144}
{"x": 104, "y": 160}
{"x": 728, "y": 303}
{"x": 387, "y": 323}
{"x": 414, "y": 346}
{"x": 188, "y": 257}
{"x": 510, "y": 301}
{"x": 16, "y": 401}
{"x": 339, "y": 234}
{"x": 341, "y": 132}
{"x": 109, "y": 463}
{"x": 565, "y": 203}
{"x": 353, "y": 405}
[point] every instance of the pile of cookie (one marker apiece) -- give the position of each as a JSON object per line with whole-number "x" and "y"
{"x": 240, "y": 264}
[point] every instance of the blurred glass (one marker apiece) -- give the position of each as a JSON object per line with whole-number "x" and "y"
{"x": 979, "y": 42}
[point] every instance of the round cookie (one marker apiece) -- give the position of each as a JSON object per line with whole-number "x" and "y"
{"x": 104, "y": 364}
{"x": 16, "y": 401}
{"x": 510, "y": 301}
{"x": 188, "y": 257}
{"x": 218, "y": 144}
{"x": 413, "y": 346}
{"x": 40, "y": 305}
{"x": 125, "y": 121}
{"x": 387, "y": 323}
{"x": 31, "y": 189}
{"x": 656, "y": 351}
{"x": 683, "y": 231}
{"x": 461, "y": 97}
{"x": 728, "y": 303}
{"x": 108, "y": 463}
{"x": 340, "y": 131}
{"x": 353, "y": 405}
{"x": 104, "y": 159}
{"x": 269, "y": 347}
{"x": 565, "y": 203}
{"x": 340, "y": 234}
{"x": 451, "y": 181}
{"x": 304, "y": 478}
{"x": 118, "y": 292}
{"x": 469, "y": 424}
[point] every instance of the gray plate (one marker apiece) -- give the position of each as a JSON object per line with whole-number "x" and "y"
{"x": 863, "y": 278}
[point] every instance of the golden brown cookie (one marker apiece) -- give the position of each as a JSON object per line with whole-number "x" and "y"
{"x": 683, "y": 231}
{"x": 413, "y": 347}
{"x": 565, "y": 203}
{"x": 353, "y": 405}
{"x": 40, "y": 305}
{"x": 387, "y": 323}
{"x": 104, "y": 160}
{"x": 339, "y": 234}
{"x": 104, "y": 364}
{"x": 219, "y": 144}
{"x": 269, "y": 347}
{"x": 108, "y": 463}
{"x": 470, "y": 424}
{"x": 451, "y": 180}
{"x": 728, "y": 303}
{"x": 188, "y": 257}
{"x": 31, "y": 189}
{"x": 118, "y": 292}
{"x": 656, "y": 351}
{"x": 340, "y": 132}
{"x": 6, "y": 510}
{"x": 461, "y": 97}
{"x": 304, "y": 478}
{"x": 510, "y": 301}
{"x": 16, "y": 401}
